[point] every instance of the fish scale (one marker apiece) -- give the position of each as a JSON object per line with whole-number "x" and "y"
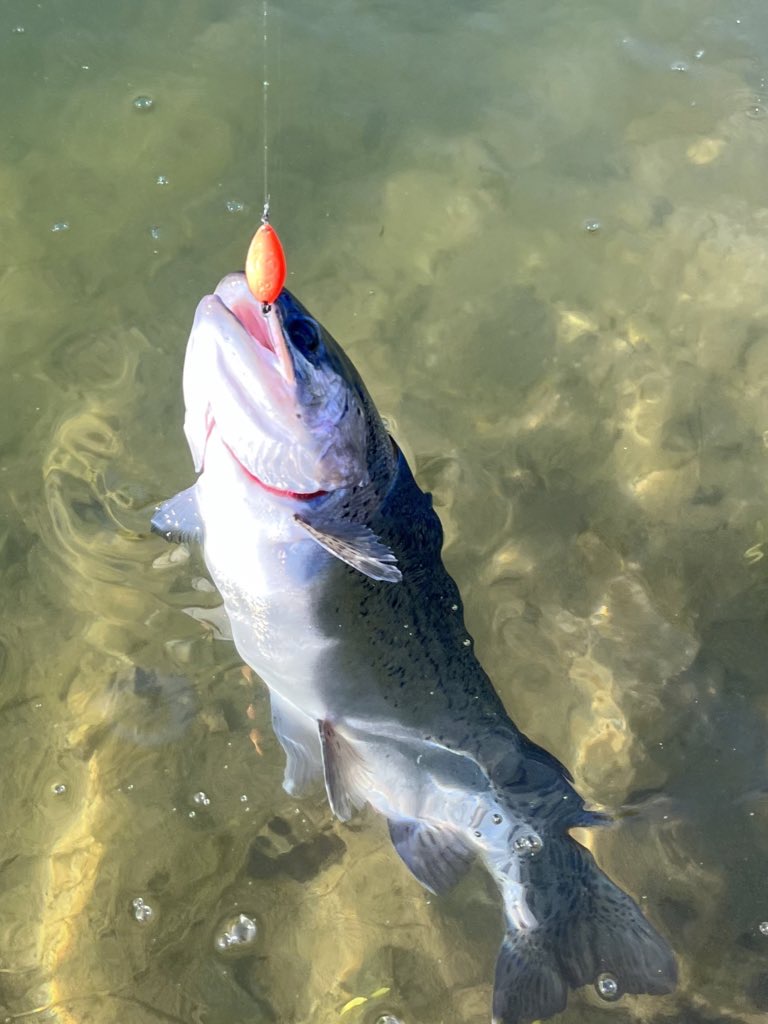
{"x": 339, "y": 600}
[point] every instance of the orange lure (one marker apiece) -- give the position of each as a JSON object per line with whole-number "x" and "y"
{"x": 265, "y": 265}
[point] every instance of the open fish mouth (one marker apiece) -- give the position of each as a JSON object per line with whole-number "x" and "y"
{"x": 259, "y": 320}
{"x": 248, "y": 386}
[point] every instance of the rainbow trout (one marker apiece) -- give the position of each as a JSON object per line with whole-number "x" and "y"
{"x": 327, "y": 556}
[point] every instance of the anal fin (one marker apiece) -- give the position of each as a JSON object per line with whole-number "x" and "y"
{"x": 437, "y": 857}
{"x": 347, "y": 779}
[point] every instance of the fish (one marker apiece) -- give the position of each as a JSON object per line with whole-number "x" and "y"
{"x": 327, "y": 556}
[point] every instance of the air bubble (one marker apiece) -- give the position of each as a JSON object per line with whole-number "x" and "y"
{"x": 154, "y": 231}
{"x": 201, "y": 799}
{"x": 530, "y": 843}
{"x": 467, "y": 642}
{"x": 60, "y": 225}
{"x": 141, "y": 910}
{"x": 237, "y": 932}
{"x": 607, "y": 987}
{"x": 234, "y": 206}
{"x": 58, "y": 789}
{"x": 18, "y": 30}
{"x": 592, "y": 226}
{"x": 387, "y": 1018}
{"x": 763, "y": 927}
{"x": 679, "y": 65}
{"x": 161, "y": 179}
{"x": 143, "y": 103}
{"x": 497, "y": 819}
{"x": 478, "y": 834}
{"x": 756, "y": 111}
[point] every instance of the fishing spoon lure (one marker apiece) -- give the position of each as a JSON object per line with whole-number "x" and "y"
{"x": 265, "y": 274}
{"x": 265, "y": 265}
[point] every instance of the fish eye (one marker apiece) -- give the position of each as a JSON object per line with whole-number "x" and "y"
{"x": 305, "y": 335}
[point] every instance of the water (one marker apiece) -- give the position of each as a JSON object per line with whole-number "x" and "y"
{"x": 541, "y": 232}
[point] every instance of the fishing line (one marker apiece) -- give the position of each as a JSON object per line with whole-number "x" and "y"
{"x": 265, "y": 260}
{"x": 265, "y": 110}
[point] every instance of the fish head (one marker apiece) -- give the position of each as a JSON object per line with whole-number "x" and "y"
{"x": 280, "y": 393}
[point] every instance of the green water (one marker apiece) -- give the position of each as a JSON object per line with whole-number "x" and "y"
{"x": 590, "y": 408}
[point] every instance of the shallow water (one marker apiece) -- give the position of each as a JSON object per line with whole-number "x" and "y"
{"x": 541, "y": 231}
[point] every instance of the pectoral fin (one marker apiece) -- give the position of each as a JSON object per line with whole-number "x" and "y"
{"x": 347, "y": 779}
{"x": 178, "y": 519}
{"x": 438, "y": 857}
{"x": 357, "y": 545}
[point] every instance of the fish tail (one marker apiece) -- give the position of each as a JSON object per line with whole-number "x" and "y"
{"x": 578, "y": 928}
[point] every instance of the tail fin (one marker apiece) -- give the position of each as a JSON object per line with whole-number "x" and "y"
{"x": 588, "y": 932}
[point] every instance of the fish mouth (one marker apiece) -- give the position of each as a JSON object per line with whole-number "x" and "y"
{"x": 259, "y": 320}
{"x": 244, "y": 381}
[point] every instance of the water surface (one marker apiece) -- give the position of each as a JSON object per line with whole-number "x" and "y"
{"x": 541, "y": 231}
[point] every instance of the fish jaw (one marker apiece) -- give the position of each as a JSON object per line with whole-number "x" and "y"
{"x": 270, "y": 389}
{"x": 292, "y": 423}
